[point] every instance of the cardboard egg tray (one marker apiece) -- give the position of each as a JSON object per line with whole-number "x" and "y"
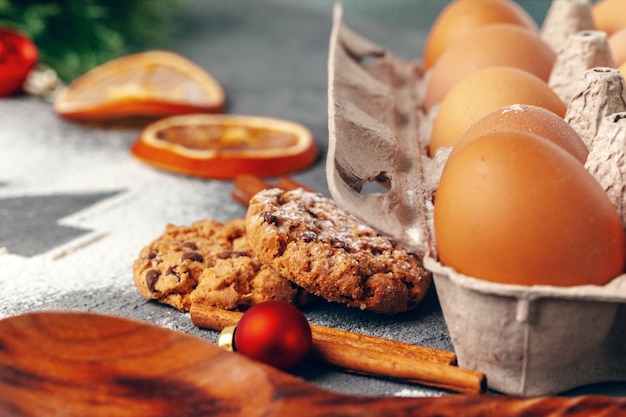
{"x": 536, "y": 340}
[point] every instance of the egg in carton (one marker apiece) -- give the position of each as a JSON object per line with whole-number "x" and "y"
{"x": 528, "y": 340}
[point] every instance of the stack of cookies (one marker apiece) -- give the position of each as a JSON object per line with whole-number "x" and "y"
{"x": 292, "y": 246}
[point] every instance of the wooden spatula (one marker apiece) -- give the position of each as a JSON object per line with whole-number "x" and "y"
{"x": 88, "y": 365}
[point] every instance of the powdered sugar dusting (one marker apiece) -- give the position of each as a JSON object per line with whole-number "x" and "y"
{"x": 517, "y": 108}
{"x": 325, "y": 218}
{"x": 63, "y": 159}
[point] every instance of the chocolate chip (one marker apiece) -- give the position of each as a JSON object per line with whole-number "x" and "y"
{"x": 152, "y": 254}
{"x": 190, "y": 245}
{"x": 192, "y": 256}
{"x": 232, "y": 254}
{"x": 270, "y": 218}
{"x": 152, "y": 276}
{"x": 339, "y": 244}
{"x": 308, "y": 236}
{"x": 170, "y": 271}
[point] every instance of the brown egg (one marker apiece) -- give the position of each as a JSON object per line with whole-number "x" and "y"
{"x": 514, "y": 208}
{"x": 617, "y": 45}
{"x": 488, "y": 46}
{"x": 531, "y": 119}
{"x": 609, "y": 15}
{"x": 460, "y": 17}
{"x": 483, "y": 92}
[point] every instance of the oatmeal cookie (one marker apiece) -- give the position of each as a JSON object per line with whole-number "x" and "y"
{"x": 208, "y": 263}
{"x": 309, "y": 240}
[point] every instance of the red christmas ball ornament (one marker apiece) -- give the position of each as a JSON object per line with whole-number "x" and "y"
{"x": 18, "y": 55}
{"x": 275, "y": 333}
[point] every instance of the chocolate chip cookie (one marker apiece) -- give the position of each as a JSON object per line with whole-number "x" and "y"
{"x": 208, "y": 262}
{"x": 309, "y": 240}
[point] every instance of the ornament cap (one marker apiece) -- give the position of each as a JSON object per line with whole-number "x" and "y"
{"x": 226, "y": 338}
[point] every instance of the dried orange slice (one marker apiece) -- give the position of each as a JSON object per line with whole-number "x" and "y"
{"x": 153, "y": 83}
{"x": 221, "y": 146}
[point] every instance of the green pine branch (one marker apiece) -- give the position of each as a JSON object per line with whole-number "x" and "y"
{"x": 73, "y": 36}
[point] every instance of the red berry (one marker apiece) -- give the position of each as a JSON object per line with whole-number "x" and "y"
{"x": 274, "y": 332}
{"x": 18, "y": 55}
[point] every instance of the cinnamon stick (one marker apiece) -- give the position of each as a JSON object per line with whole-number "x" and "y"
{"x": 392, "y": 365}
{"x": 288, "y": 184}
{"x": 330, "y": 336}
{"x": 246, "y": 186}
{"x": 369, "y": 355}
{"x": 213, "y": 318}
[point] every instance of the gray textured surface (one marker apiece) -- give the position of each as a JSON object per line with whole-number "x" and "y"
{"x": 271, "y": 61}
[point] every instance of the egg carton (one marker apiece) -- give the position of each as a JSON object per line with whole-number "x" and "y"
{"x": 537, "y": 340}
